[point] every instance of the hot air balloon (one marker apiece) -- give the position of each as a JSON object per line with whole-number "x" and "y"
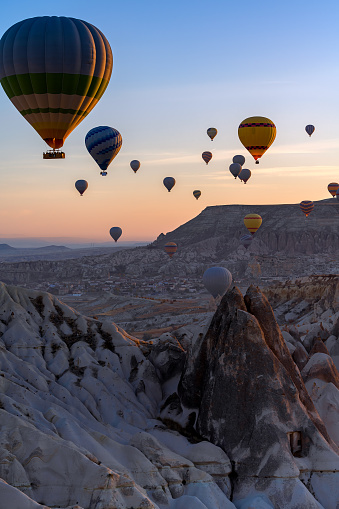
{"x": 212, "y": 132}
{"x": 217, "y": 280}
{"x": 239, "y": 159}
{"x": 207, "y": 156}
{"x": 306, "y": 206}
{"x": 103, "y": 143}
{"x": 252, "y": 222}
{"x": 246, "y": 240}
{"x": 135, "y": 165}
{"x": 244, "y": 175}
{"x": 235, "y": 169}
{"x": 197, "y": 194}
{"x": 333, "y": 188}
{"x": 170, "y": 248}
{"x": 115, "y": 232}
{"x": 257, "y": 134}
{"x": 54, "y": 70}
{"x": 310, "y": 129}
{"x": 169, "y": 182}
{"x": 81, "y": 186}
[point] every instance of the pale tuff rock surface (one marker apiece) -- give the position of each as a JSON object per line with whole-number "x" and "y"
{"x": 91, "y": 418}
{"x": 78, "y": 408}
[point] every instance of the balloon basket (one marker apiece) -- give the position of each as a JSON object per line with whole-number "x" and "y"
{"x": 103, "y": 173}
{"x": 53, "y": 154}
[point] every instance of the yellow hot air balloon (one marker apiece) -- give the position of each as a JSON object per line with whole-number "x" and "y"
{"x": 257, "y": 134}
{"x": 54, "y": 70}
{"x": 252, "y": 222}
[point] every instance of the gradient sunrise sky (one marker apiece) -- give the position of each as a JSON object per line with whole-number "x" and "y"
{"x": 179, "y": 68}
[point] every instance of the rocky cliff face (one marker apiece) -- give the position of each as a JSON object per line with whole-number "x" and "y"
{"x": 286, "y": 244}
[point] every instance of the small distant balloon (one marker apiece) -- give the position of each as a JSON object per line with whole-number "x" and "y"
{"x": 310, "y": 129}
{"x": 217, "y": 280}
{"x": 244, "y": 175}
{"x": 333, "y": 188}
{"x": 212, "y": 132}
{"x": 170, "y": 248}
{"x": 252, "y": 222}
{"x": 115, "y": 232}
{"x": 197, "y": 194}
{"x": 169, "y": 182}
{"x": 81, "y": 186}
{"x": 207, "y": 156}
{"x": 246, "y": 240}
{"x": 235, "y": 169}
{"x": 239, "y": 159}
{"x": 306, "y": 207}
{"x": 135, "y": 165}
{"x": 103, "y": 143}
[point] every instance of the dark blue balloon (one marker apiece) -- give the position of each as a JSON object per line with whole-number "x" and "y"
{"x": 169, "y": 182}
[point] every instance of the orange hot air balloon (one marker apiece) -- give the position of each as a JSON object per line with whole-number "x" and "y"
{"x": 257, "y": 134}
{"x": 306, "y": 207}
{"x": 171, "y": 248}
{"x": 252, "y": 222}
{"x": 333, "y": 188}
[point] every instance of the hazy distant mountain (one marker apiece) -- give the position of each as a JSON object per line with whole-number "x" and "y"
{"x": 6, "y": 247}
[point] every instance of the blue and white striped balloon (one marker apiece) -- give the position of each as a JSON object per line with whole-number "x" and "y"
{"x": 103, "y": 143}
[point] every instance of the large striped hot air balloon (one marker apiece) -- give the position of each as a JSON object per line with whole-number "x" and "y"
{"x": 257, "y": 134}
{"x": 170, "y": 248}
{"x": 103, "y": 143}
{"x": 217, "y": 280}
{"x": 54, "y": 70}
{"x": 310, "y": 129}
{"x": 207, "y": 156}
{"x": 306, "y": 207}
{"x": 252, "y": 222}
{"x": 333, "y": 188}
{"x": 212, "y": 132}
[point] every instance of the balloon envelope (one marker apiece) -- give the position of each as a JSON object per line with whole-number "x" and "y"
{"x": 115, "y": 232}
{"x": 103, "y": 143}
{"x": 310, "y": 129}
{"x": 333, "y": 188}
{"x": 135, "y": 165}
{"x": 197, "y": 194}
{"x": 306, "y": 207}
{"x": 212, "y": 132}
{"x": 81, "y": 186}
{"x": 235, "y": 169}
{"x": 170, "y": 248}
{"x": 54, "y": 70}
{"x": 252, "y": 222}
{"x": 257, "y": 134}
{"x": 246, "y": 240}
{"x": 207, "y": 156}
{"x": 239, "y": 159}
{"x": 169, "y": 182}
{"x": 217, "y": 280}
{"x": 244, "y": 175}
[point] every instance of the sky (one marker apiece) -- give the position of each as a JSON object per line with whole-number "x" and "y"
{"x": 179, "y": 68}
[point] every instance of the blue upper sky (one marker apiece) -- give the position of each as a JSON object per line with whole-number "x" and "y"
{"x": 180, "y": 67}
